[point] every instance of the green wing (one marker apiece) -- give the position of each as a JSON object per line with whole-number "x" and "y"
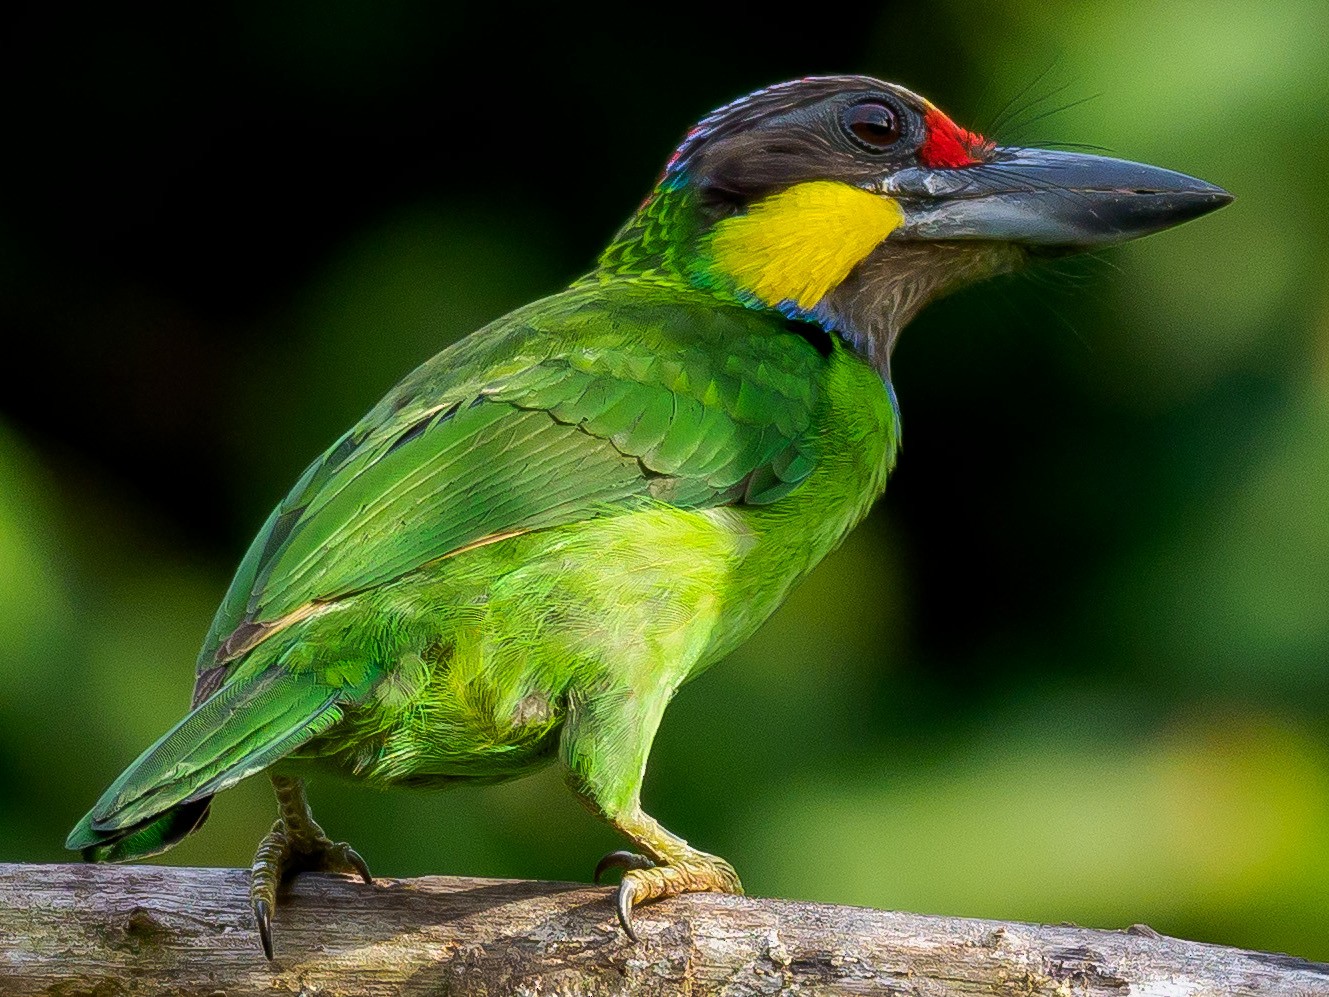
{"x": 569, "y": 409}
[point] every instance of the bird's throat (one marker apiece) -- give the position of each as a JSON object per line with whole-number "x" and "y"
{"x": 791, "y": 249}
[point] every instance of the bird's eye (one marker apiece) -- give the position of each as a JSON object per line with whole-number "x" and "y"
{"x": 873, "y": 126}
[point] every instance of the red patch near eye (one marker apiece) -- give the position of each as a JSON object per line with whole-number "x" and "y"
{"x": 948, "y": 145}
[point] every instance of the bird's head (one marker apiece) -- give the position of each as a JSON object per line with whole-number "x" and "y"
{"x": 852, "y": 203}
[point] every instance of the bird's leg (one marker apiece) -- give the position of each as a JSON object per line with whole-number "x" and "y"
{"x": 296, "y": 843}
{"x": 604, "y": 746}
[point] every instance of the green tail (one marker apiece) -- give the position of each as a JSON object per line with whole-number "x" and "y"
{"x": 165, "y": 794}
{"x": 149, "y": 838}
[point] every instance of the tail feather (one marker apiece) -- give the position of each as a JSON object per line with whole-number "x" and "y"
{"x": 149, "y": 838}
{"x": 241, "y": 729}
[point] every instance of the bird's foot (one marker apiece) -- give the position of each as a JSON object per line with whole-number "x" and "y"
{"x": 289, "y": 849}
{"x": 644, "y": 880}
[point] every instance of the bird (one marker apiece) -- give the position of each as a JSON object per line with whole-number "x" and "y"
{"x": 519, "y": 555}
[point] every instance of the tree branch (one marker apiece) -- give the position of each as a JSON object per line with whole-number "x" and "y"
{"x": 125, "y": 931}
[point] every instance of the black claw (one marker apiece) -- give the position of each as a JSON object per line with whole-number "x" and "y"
{"x": 625, "y": 909}
{"x": 263, "y": 914}
{"x": 353, "y": 857}
{"x": 624, "y": 860}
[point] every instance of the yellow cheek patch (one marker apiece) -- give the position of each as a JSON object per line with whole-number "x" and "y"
{"x": 800, "y": 243}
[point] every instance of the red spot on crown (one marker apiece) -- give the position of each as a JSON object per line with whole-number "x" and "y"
{"x": 949, "y": 146}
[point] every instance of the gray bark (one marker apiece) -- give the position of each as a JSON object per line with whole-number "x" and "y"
{"x": 126, "y": 931}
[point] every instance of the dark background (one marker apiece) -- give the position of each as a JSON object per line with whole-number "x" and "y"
{"x": 1072, "y": 668}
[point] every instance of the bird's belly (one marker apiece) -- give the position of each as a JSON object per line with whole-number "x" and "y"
{"x": 452, "y": 736}
{"x": 484, "y": 654}
{"x": 441, "y": 717}
{"x": 459, "y": 739}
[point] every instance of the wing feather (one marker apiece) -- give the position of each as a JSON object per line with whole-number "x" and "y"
{"x": 550, "y": 417}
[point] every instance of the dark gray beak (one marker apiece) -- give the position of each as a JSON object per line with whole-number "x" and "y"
{"x": 1051, "y": 200}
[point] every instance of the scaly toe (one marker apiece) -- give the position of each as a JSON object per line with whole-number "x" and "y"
{"x": 281, "y": 856}
{"x": 704, "y": 874}
{"x": 269, "y": 865}
{"x": 341, "y": 857}
{"x": 623, "y": 861}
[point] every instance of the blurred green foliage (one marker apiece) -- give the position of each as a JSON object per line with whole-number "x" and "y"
{"x": 1094, "y": 689}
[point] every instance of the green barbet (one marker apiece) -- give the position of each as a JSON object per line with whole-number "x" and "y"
{"x": 521, "y": 553}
